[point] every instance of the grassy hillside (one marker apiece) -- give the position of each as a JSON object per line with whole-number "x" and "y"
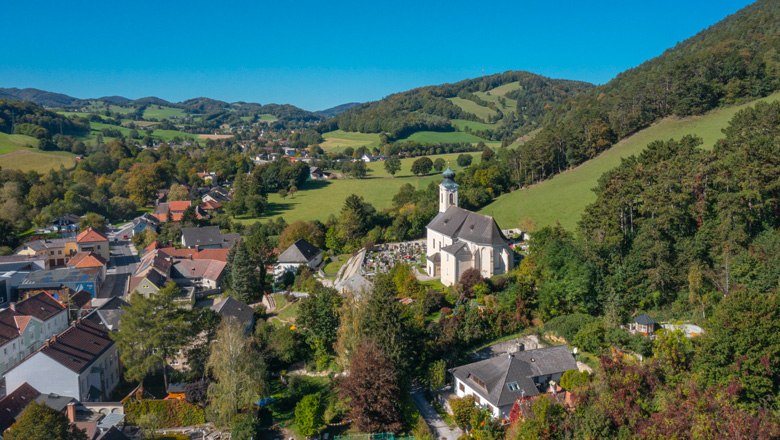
{"x": 442, "y": 137}
{"x": 564, "y": 198}
{"x": 161, "y": 112}
{"x": 12, "y": 142}
{"x": 317, "y": 199}
{"x": 338, "y": 140}
{"x": 468, "y": 106}
{"x": 26, "y": 159}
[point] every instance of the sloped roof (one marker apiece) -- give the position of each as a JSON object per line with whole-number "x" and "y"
{"x": 9, "y": 325}
{"x": 459, "y": 248}
{"x": 462, "y": 224}
{"x": 233, "y": 308}
{"x": 14, "y": 403}
{"x": 86, "y": 259}
{"x": 644, "y": 319}
{"x": 108, "y": 313}
{"x": 208, "y": 236}
{"x": 90, "y": 235}
{"x": 503, "y": 379}
{"x": 41, "y": 306}
{"x": 220, "y": 254}
{"x": 49, "y": 243}
{"x": 300, "y": 252}
{"x": 78, "y": 346}
{"x": 208, "y": 269}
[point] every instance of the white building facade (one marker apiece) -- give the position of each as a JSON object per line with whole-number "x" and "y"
{"x": 458, "y": 240}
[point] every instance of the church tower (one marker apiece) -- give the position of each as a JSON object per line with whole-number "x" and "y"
{"x": 448, "y": 191}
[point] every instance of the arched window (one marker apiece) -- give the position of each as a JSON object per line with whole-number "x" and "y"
{"x": 452, "y": 199}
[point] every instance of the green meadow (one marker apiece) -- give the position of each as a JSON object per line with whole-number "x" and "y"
{"x": 338, "y": 140}
{"x": 163, "y": 112}
{"x": 472, "y": 107}
{"x": 317, "y": 200}
{"x": 564, "y": 198}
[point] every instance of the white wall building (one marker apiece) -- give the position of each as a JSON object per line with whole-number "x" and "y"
{"x": 458, "y": 240}
{"x": 81, "y": 362}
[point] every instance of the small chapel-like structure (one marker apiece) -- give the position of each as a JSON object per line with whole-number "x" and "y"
{"x": 458, "y": 239}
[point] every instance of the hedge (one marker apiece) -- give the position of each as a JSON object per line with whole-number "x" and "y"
{"x": 169, "y": 413}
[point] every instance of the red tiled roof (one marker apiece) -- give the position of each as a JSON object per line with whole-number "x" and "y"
{"x": 42, "y": 306}
{"x": 210, "y": 205}
{"x": 78, "y": 346}
{"x": 90, "y": 235}
{"x": 21, "y": 322}
{"x": 180, "y": 205}
{"x": 195, "y": 254}
{"x": 86, "y": 260}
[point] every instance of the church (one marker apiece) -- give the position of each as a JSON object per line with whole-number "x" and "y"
{"x": 458, "y": 239}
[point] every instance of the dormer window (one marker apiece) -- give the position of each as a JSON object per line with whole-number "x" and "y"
{"x": 513, "y": 386}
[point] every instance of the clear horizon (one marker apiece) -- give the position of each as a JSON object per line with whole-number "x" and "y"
{"x": 317, "y": 56}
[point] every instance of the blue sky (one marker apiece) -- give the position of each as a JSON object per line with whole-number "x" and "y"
{"x": 317, "y": 54}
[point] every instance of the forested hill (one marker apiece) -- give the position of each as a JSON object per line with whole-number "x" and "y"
{"x": 212, "y": 108}
{"x": 509, "y": 102}
{"x": 734, "y": 60}
{"x": 33, "y": 120}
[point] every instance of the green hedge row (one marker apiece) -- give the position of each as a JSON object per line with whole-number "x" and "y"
{"x": 168, "y": 413}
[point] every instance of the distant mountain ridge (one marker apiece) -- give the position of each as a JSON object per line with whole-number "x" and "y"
{"x": 337, "y": 110}
{"x": 200, "y": 105}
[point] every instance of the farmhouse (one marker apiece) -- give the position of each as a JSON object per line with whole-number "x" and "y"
{"x": 458, "y": 239}
{"x": 496, "y": 383}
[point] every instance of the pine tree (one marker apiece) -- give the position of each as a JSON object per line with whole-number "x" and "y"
{"x": 243, "y": 277}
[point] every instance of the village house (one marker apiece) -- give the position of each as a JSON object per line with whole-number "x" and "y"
{"x": 90, "y": 240}
{"x": 458, "y": 240}
{"x": 498, "y": 382}
{"x": 145, "y": 222}
{"x": 56, "y": 251}
{"x": 175, "y": 211}
{"x": 207, "y": 237}
{"x": 107, "y": 312}
{"x": 231, "y": 308}
{"x": 300, "y": 253}
{"x": 89, "y": 260}
{"x": 26, "y": 325}
{"x": 81, "y": 362}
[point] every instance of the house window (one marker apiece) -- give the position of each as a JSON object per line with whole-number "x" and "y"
{"x": 513, "y": 386}
{"x": 461, "y": 387}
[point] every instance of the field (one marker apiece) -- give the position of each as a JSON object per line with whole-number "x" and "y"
{"x": 564, "y": 198}
{"x": 165, "y": 135}
{"x": 13, "y": 142}
{"x": 162, "y": 112}
{"x": 463, "y": 124}
{"x": 472, "y": 107}
{"x": 267, "y": 117}
{"x": 35, "y": 160}
{"x": 317, "y": 200}
{"x": 443, "y": 137}
{"x": 338, "y": 140}
{"x": 215, "y": 136}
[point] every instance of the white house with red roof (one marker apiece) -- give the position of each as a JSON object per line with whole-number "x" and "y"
{"x": 90, "y": 240}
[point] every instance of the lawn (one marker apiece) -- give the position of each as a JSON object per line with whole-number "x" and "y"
{"x": 36, "y": 160}
{"x": 162, "y": 112}
{"x": 564, "y": 198}
{"x": 317, "y": 200}
{"x": 13, "y": 142}
{"x": 338, "y": 140}
{"x": 332, "y": 268}
{"x": 472, "y": 107}
{"x": 165, "y": 135}
{"x": 443, "y": 137}
{"x": 268, "y": 117}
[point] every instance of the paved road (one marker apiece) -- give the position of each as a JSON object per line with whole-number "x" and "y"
{"x": 439, "y": 428}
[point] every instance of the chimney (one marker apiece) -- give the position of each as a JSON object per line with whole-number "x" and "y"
{"x": 520, "y": 346}
{"x": 70, "y": 411}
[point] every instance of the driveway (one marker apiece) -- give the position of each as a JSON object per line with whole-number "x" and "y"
{"x": 439, "y": 428}
{"x": 124, "y": 260}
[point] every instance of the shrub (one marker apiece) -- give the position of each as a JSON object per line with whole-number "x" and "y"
{"x": 567, "y": 326}
{"x": 167, "y": 413}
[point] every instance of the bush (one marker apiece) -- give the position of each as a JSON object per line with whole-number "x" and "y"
{"x": 567, "y": 326}
{"x": 167, "y": 413}
{"x": 573, "y": 380}
{"x": 591, "y": 337}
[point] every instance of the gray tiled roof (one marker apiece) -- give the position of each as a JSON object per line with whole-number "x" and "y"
{"x": 462, "y": 224}
{"x": 233, "y": 308}
{"x": 492, "y": 377}
{"x": 207, "y": 236}
{"x": 299, "y": 252}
